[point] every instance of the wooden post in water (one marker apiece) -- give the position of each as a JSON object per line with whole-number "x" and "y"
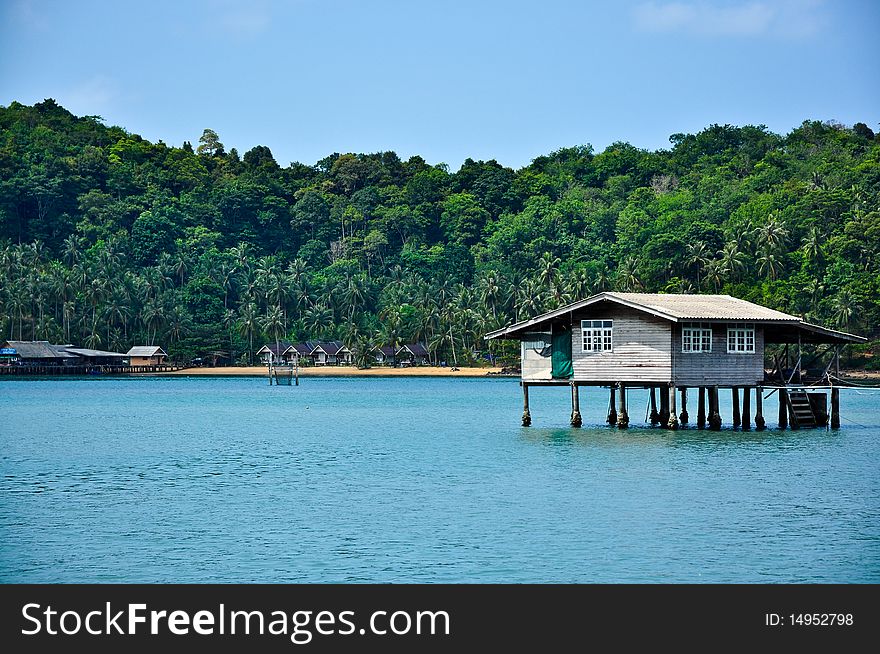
{"x": 612, "y": 412}
{"x": 684, "y": 406}
{"x": 835, "y": 391}
{"x": 835, "y": 407}
{"x": 664, "y": 408}
{"x": 747, "y": 408}
{"x": 701, "y": 407}
{"x": 576, "y": 420}
{"x": 672, "y": 421}
{"x": 734, "y": 396}
{"x": 714, "y": 412}
{"x": 526, "y": 416}
{"x": 759, "y": 409}
{"x": 622, "y": 415}
{"x": 655, "y": 417}
{"x": 783, "y": 408}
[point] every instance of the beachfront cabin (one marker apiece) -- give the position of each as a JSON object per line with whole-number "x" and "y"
{"x": 334, "y": 353}
{"x": 146, "y": 355}
{"x": 38, "y": 353}
{"x": 670, "y": 342}
{"x": 298, "y": 353}
{"x": 385, "y": 354}
{"x": 277, "y": 353}
{"x": 413, "y": 354}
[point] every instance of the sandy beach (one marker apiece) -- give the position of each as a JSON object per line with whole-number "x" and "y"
{"x": 340, "y": 371}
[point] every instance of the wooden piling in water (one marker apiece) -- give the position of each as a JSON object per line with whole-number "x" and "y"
{"x": 664, "y": 407}
{"x": 655, "y": 417}
{"x": 759, "y": 409}
{"x": 622, "y": 414}
{"x": 612, "y": 412}
{"x": 701, "y": 407}
{"x": 714, "y": 412}
{"x": 683, "y": 418}
{"x": 526, "y": 416}
{"x": 576, "y": 420}
{"x": 672, "y": 421}
{"x": 747, "y": 402}
{"x": 734, "y": 396}
{"x": 835, "y": 408}
{"x": 783, "y": 408}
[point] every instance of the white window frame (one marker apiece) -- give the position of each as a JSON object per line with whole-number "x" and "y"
{"x": 741, "y": 339}
{"x": 597, "y": 336}
{"x": 697, "y": 334}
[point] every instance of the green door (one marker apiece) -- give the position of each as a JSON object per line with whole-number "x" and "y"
{"x": 561, "y": 352}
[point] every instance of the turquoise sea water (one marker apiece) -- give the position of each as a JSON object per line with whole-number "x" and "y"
{"x": 418, "y": 480}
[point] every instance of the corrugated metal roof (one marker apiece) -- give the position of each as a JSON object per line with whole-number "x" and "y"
{"x": 702, "y": 307}
{"x": 682, "y": 308}
{"x": 145, "y": 351}
{"x": 39, "y": 350}
{"x": 86, "y": 352}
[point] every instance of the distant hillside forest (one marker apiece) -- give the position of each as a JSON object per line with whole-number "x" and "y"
{"x": 108, "y": 240}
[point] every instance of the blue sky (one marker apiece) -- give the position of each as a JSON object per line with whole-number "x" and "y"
{"x": 486, "y": 79}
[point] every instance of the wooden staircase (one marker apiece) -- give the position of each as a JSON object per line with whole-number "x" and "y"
{"x": 801, "y": 412}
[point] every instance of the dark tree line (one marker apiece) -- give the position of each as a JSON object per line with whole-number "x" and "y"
{"x": 108, "y": 240}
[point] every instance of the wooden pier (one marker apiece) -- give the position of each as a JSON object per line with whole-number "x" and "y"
{"x": 85, "y": 370}
{"x": 284, "y": 374}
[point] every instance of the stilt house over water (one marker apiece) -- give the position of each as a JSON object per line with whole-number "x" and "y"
{"x": 671, "y": 343}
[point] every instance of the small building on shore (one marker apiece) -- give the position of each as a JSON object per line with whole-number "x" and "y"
{"x": 278, "y": 353}
{"x": 146, "y": 355}
{"x": 673, "y": 342}
{"x": 38, "y": 353}
{"x": 413, "y": 354}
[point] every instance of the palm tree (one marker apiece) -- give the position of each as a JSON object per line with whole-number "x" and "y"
{"x": 812, "y": 246}
{"x": 628, "y": 274}
{"x": 772, "y": 234}
{"x": 698, "y": 257}
{"x": 247, "y": 325}
{"x": 547, "y": 265}
{"x": 273, "y": 325}
{"x": 732, "y": 260}
{"x": 769, "y": 264}
{"x": 490, "y": 291}
{"x": 715, "y": 272}
{"x": 845, "y": 306}
{"x": 318, "y": 319}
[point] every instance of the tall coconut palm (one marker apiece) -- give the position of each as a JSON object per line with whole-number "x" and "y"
{"x": 697, "y": 257}
{"x": 273, "y": 325}
{"x": 247, "y": 326}
{"x": 732, "y": 260}
{"x": 845, "y": 306}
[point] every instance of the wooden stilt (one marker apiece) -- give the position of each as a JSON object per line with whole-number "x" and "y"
{"x": 684, "y": 406}
{"x": 612, "y": 412}
{"x": 783, "y": 408}
{"x": 747, "y": 408}
{"x": 622, "y": 415}
{"x": 526, "y": 416}
{"x": 701, "y": 407}
{"x": 664, "y": 408}
{"x": 576, "y": 420}
{"x": 759, "y": 409}
{"x": 672, "y": 421}
{"x": 835, "y": 408}
{"x": 714, "y": 413}
{"x": 655, "y": 417}
{"x": 734, "y": 396}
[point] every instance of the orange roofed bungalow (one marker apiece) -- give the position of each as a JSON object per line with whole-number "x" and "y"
{"x": 673, "y": 343}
